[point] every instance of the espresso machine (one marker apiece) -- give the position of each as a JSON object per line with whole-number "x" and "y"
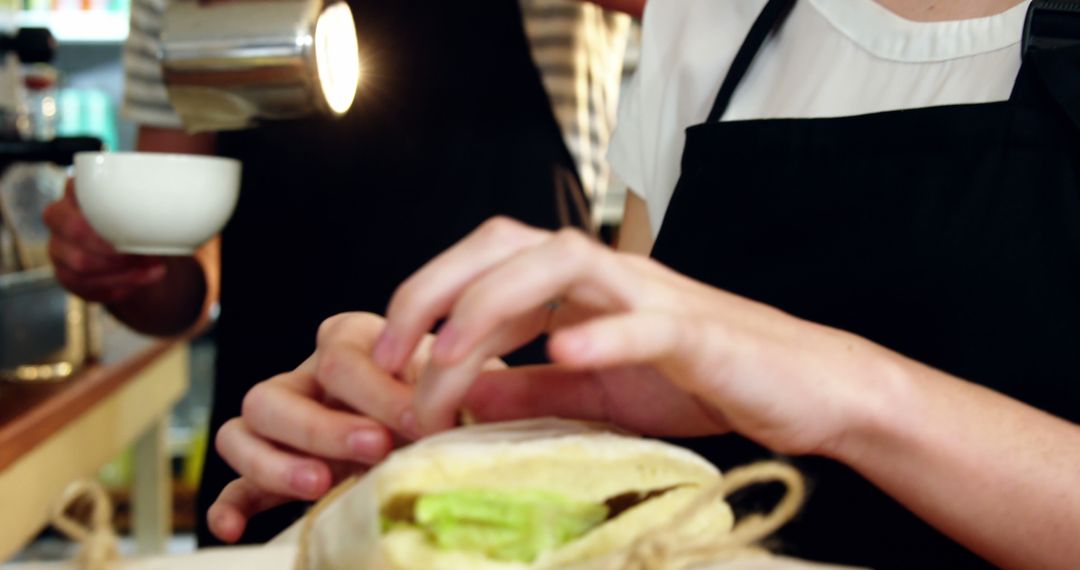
{"x": 45, "y": 333}
{"x": 227, "y": 65}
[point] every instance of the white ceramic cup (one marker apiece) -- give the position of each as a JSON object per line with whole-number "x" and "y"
{"x": 156, "y": 203}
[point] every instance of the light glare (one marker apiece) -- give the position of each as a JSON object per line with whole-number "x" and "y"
{"x": 337, "y": 56}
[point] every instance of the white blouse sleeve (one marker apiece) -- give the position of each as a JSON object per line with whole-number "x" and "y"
{"x": 664, "y": 97}
{"x": 627, "y": 150}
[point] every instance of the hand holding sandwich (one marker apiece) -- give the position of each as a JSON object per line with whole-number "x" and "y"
{"x": 300, "y": 432}
{"x": 640, "y": 346}
{"x": 295, "y": 438}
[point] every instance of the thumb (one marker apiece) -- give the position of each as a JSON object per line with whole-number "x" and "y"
{"x": 537, "y": 391}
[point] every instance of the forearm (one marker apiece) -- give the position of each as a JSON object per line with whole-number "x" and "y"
{"x": 170, "y": 306}
{"x": 635, "y": 234}
{"x": 996, "y": 475}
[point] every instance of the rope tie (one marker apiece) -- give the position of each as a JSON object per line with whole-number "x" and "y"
{"x": 673, "y": 548}
{"x": 98, "y": 544}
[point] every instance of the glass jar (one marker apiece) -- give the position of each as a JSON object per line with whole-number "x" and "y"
{"x": 41, "y": 101}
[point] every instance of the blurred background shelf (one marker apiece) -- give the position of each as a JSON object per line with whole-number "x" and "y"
{"x": 76, "y": 26}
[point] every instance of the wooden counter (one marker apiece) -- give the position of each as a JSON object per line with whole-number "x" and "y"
{"x": 53, "y": 434}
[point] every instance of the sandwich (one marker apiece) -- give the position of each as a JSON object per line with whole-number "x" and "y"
{"x": 519, "y": 495}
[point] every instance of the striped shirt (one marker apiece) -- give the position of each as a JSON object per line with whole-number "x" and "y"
{"x": 578, "y": 47}
{"x": 145, "y": 99}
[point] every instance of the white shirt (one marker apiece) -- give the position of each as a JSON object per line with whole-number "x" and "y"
{"x": 831, "y": 58}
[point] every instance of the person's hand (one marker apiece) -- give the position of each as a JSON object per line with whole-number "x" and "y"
{"x": 633, "y": 343}
{"x": 302, "y": 432}
{"x": 89, "y": 266}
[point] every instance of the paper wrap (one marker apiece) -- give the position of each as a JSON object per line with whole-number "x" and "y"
{"x": 689, "y": 528}
{"x": 580, "y": 460}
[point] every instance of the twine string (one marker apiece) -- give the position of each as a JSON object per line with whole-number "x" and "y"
{"x": 98, "y": 543}
{"x": 674, "y": 547}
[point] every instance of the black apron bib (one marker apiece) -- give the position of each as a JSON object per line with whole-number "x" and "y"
{"x": 949, "y": 234}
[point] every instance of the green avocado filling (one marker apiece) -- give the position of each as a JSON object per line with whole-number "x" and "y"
{"x": 503, "y": 525}
{"x": 509, "y": 526}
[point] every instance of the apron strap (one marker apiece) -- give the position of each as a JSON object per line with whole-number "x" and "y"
{"x": 770, "y": 19}
{"x": 1051, "y": 46}
{"x": 1051, "y": 24}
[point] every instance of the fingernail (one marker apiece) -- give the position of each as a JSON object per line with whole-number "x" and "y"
{"x": 383, "y": 354}
{"x": 365, "y": 444}
{"x": 409, "y": 426}
{"x": 228, "y": 528}
{"x": 220, "y": 522}
{"x": 216, "y": 520}
{"x": 445, "y": 343}
{"x": 305, "y": 481}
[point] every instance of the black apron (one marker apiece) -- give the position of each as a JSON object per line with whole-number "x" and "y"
{"x": 949, "y": 234}
{"x": 451, "y": 126}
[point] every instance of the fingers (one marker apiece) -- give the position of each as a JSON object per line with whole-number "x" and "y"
{"x": 238, "y": 502}
{"x": 345, "y": 370}
{"x": 441, "y": 389}
{"x": 88, "y": 265}
{"x": 77, "y": 258}
{"x": 241, "y": 500}
{"x": 104, "y": 270}
{"x": 505, "y": 308}
{"x": 283, "y": 411}
{"x": 633, "y": 397}
{"x": 623, "y": 339}
{"x": 567, "y": 266}
{"x": 269, "y": 468}
{"x": 107, "y": 287}
{"x": 676, "y": 344}
{"x": 291, "y": 443}
{"x": 428, "y": 295}
{"x": 536, "y": 391}
{"x": 66, "y": 220}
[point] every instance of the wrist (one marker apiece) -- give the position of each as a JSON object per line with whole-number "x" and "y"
{"x": 168, "y": 306}
{"x": 883, "y": 404}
